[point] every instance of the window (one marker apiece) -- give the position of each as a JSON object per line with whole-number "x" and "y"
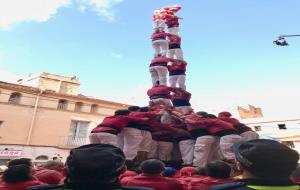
{"x": 78, "y": 106}
{"x": 257, "y": 128}
{"x": 78, "y": 133}
{"x": 94, "y": 108}
{"x": 62, "y": 105}
{"x": 282, "y": 126}
{"x": 14, "y": 98}
{"x": 289, "y": 144}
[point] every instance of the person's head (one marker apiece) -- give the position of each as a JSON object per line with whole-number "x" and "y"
{"x": 202, "y": 113}
{"x": 224, "y": 114}
{"x": 90, "y": 166}
{"x": 211, "y": 116}
{"x": 169, "y": 172}
{"x": 200, "y": 170}
{"x": 152, "y": 166}
{"x": 20, "y": 161}
{"x": 130, "y": 165}
{"x": 265, "y": 159}
{"x": 134, "y": 108}
{"x": 122, "y": 112}
{"x": 218, "y": 169}
{"x": 17, "y": 173}
{"x": 144, "y": 109}
{"x": 54, "y": 165}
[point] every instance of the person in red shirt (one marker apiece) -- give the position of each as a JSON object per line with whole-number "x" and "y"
{"x": 175, "y": 47}
{"x": 181, "y": 100}
{"x": 159, "y": 70}
{"x": 218, "y": 172}
{"x": 160, "y": 94}
{"x": 151, "y": 177}
{"x": 172, "y": 21}
{"x": 18, "y": 176}
{"x": 177, "y": 69}
{"x": 107, "y": 131}
{"x": 244, "y": 131}
{"x": 160, "y": 43}
{"x": 158, "y": 20}
{"x": 48, "y": 176}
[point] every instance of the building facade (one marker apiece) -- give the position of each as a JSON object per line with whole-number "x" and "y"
{"x": 48, "y": 119}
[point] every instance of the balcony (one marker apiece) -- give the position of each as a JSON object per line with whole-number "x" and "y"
{"x": 72, "y": 142}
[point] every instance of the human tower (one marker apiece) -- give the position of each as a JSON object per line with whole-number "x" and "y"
{"x": 168, "y": 128}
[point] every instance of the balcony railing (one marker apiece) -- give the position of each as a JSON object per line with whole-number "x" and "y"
{"x": 72, "y": 142}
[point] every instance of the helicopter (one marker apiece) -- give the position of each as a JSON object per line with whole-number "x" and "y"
{"x": 281, "y": 40}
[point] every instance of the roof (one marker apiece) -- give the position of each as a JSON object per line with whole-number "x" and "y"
{"x": 34, "y": 90}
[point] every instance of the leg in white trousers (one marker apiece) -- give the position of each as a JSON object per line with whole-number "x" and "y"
{"x": 249, "y": 135}
{"x": 158, "y": 24}
{"x": 153, "y": 152}
{"x": 165, "y": 101}
{"x": 187, "y": 151}
{"x": 175, "y": 52}
{"x": 226, "y": 142}
{"x": 180, "y": 79}
{"x": 174, "y": 30}
{"x": 104, "y": 138}
{"x": 132, "y": 140}
{"x": 159, "y": 73}
{"x": 120, "y": 137}
{"x": 202, "y": 150}
{"x": 164, "y": 150}
{"x": 183, "y": 109}
{"x": 160, "y": 47}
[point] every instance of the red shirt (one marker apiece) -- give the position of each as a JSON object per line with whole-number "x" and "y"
{"x": 49, "y": 176}
{"x": 159, "y": 61}
{"x": 159, "y": 92}
{"x": 180, "y": 94}
{"x": 156, "y": 182}
{"x": 236, "y": 124}
{"x": 158, "y": 35}
{"x": 20, "y": 185}
{"x": 174, "y": 39}
{"x": 172, "y": 21}
{"x": 116, "y": 122}
{"x": 205, "y": 183}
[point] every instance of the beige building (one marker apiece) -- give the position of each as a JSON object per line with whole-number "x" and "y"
{"x": 43, "y": 116}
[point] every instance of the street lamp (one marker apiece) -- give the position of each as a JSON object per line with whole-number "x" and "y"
{"x": 281, "y": 40}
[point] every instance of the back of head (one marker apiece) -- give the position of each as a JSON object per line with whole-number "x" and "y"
{"x": 133, "y": 108}
{"x": 54, "y": 165}
{"x": 224, "y": 114}
{"x": 152, "y": 166}
{"x": 144, "y": 109}
{"x": 218, "y": 169}
{"x": 266, "y": 159}
{"x": 200, "y": 170}
{"x": 202, "y": 113}
{"x": 211, "y": 116}
{"x": 20, "y": 161}
{"x": 17, "y": 173}
{"x": 94, "y": 164}
{"x": 122, "y": 112}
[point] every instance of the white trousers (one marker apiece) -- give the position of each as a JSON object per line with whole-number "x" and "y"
{"x": 203, "y": 148}
{"x": 226, "y": 142}
{"x": 174, "y": 30}
{"x": 159, "y": 24}
{"x": 177, "y": 79}
{"x": 161, "y": 150}
{"x": 165, "y": 101}
{"x": 161, "y": 47}
{"x": 186, "y": 148}
{"x": 159, "y": 73}
{"x": 183, "y": 109}
{"x": 104, "y": 138}
{"x": 175, "y": 52}
{"x": 136, "y": 140}
{"x": 249, "y": 135}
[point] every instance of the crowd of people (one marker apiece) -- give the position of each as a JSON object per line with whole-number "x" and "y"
{"x": 259, "y": 164}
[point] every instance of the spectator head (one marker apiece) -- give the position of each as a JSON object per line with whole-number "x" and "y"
{"x": 200, "y": 170}
{"x": 202, "y": 113}
{"x": 296, "y": 173}
{"x": 134, "y": 108}
{"x": 20, "y": 161}
{"x": 17, "y": 173}
{"x": 152, "y": 166}
{"x": 169, "y": 172}
{"x": 224, "y": 114}
{"x": 122, "y": 112}
{"x": 144, "y": 109}
{"x": 188, "y": 171}
{"x": 130, "y": 165}
{"x": 91, "y": 166}
{"x": 54, "y": 165}
{"x": 265, "y": 159}
{"x": 211, "y": 116}
{"x": 218, "y": 169}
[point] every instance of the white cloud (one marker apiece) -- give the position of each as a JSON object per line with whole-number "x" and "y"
{"x": 16, "y": 11}
{"x": 7, "y": 76}
{"x": 82, "y": 8}
{"x": 116, "y": 55}
{"x": 103, "y": 8}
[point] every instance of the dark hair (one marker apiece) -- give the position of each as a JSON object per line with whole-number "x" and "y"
{"x": 20, "y": 161}
{"x": 152, "y": 166}
{"x": 144, "y": 109}
{"x": 17, "y": 173}
{"x": 130, "y": 165}
{"x": 122, "y": 112}
{"x": 200, "y": 170}
{"x": 202, "y": 113}
{"x": 211, "y": 116}
{"x": 218, "y": 169}
{"x": 133, "y": 108}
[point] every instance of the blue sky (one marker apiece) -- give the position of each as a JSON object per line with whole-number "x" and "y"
{"x": 227, "y": 44}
